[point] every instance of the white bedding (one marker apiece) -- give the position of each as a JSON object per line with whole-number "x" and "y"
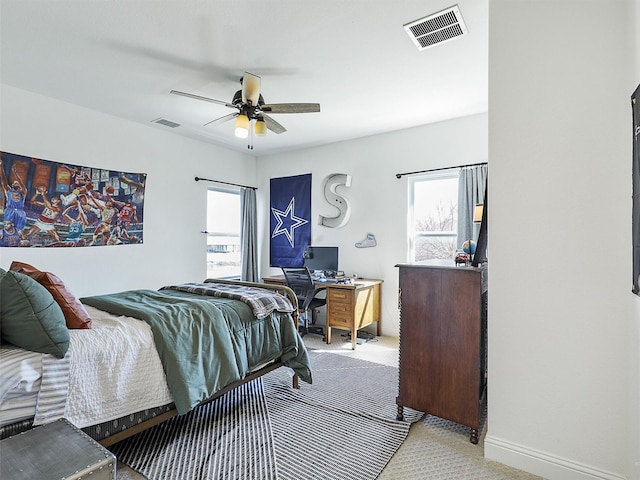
{"x": 115, "y": 370}
{"x": 20, "y": 379}
{"x": 110, "y": 370}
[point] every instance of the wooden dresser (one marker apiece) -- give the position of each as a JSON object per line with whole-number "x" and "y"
{"x": 443, "y": 341}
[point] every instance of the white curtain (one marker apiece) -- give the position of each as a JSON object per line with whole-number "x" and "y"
{"x": 248, "y": 235}
{"x": 471, "y": 188}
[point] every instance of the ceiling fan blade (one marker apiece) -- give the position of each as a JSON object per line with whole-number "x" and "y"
{"x": 206, "y": 99}
{"x": 250, "y": 88}
{"x": 226, "y": 118}
{"x": 272, "y": 125}
{"x": 291, "y": 108}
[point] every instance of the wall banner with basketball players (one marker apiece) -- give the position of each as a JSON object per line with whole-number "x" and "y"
{"x": 50, "y": 204}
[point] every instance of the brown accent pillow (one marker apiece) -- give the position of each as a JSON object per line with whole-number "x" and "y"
{"x": 75, "y": 315}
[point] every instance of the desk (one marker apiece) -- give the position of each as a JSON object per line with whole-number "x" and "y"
{"x": 349, "y": 307}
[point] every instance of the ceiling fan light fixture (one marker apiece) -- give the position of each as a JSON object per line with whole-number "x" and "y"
{"x": 260, "y": 128}
{"x": 252, "y": 115}
{"x": 242, "y": 126}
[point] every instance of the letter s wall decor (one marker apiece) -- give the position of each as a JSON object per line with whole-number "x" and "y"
{"x": 331, "y": 183}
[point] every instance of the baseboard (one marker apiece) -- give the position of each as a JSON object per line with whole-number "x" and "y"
{"x": 541, "y": 463}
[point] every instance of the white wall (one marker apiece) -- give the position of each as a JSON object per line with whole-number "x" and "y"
{"x": 633, "y": 445}
{"x": 563, "y": 327}
{"x": 378, "y": 199}
{"x": 175, "y": 205}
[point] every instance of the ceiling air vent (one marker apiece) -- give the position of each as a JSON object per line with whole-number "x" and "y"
{"x": 437, "y": 28}
{"x": 166, "y": 123}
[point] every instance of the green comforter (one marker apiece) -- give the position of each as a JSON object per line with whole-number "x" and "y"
{"x": 206, "y": 343}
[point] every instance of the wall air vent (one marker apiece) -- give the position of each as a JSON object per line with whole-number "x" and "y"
{"x": 166, "y": 123}
{"x": 437, "y": 28}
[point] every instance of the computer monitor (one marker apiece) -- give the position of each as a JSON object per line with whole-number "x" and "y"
{"x": 321, "y": 258}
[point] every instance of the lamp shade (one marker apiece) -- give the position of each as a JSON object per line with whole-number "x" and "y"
{"x": 477, "y": 213}
{"x": 242, "y": 126}
{"x": 260, "y": 128}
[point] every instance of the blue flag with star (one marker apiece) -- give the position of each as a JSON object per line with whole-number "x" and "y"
{"x": 290, "y": 220}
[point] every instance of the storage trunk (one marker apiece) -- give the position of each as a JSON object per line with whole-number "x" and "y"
{"x": 55, "y": 451}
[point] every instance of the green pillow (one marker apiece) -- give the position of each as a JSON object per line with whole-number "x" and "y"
{"x": 31, "y": 318}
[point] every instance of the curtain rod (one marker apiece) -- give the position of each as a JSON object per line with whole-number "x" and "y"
{"x": 226, "y": 183}
{"x": 400, "y": 175}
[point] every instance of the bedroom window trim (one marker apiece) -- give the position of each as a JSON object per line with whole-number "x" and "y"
{"x": 217, "y": 265}
{"x": 414, "y": 235}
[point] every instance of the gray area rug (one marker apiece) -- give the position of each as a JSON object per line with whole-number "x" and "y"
{"x": 342, "y": 426}
{"x": 229, "y": 438}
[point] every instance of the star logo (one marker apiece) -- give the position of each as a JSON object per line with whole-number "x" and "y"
{"x": 287, "y": 222}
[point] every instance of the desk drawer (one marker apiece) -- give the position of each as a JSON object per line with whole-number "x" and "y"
{"x": 340, "y": 307}
{"x": 340, "y": 320}
{"x": 340, "y": 296}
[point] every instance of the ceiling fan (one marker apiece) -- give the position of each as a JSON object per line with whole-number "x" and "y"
{"x": 250, "y": 108}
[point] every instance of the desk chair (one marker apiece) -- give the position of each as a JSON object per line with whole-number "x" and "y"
{"x": 299, "y": 280}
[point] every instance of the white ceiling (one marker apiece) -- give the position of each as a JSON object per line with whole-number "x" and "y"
{"x": 351, "y": 56}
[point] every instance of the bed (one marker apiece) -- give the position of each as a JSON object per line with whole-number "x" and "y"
{"x": 138, "y": 357}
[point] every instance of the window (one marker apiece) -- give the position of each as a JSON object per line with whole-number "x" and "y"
{"x": 223, "y": 237}
{"x": 433, "y": 216}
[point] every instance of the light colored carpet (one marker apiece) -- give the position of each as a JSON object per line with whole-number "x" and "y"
{"x": 435, "y": 449}
{"x": 124, "y": 472}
